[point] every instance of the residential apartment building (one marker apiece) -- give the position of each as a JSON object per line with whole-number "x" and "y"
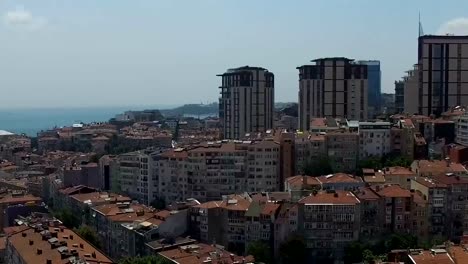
{"x": 457, "y": 210}
{"x": 331, "y": 220}
{"x": 371, "y": 213}
{"x": 333, "y": 87}
{"x": 374, "y": 139}
{"x": 260, "y": 218}
{"x": 84, "y": 174}
{"x": 170, "y": 182}
{"x": 223, "y": 168}
{"x": 397, "y": 209}
{"x": 223, "y": 221}
{"x": 340, "y": 181}
{"x": 442, "y": 61}
{"x": 411, "y": 82}
{"x": 462, "y": 130}
{"x": 399, "y": 175}
{"x": 308, "y": 147}
{"x": 247, "y": 101}
{"x": 343, "y": 150}
{"x": 430, "y": 168}
{"x": 399, "y": 96}
{"x": 49, "y": 242}
{"x": 435, "y": 193}
{"x": 136, "y": 174}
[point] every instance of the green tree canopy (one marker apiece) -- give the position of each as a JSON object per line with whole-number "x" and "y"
{"x": 145, "y": 260}
{"x": 68, "y": 218}
{"x": 89, "y": 235}
{"x": 293, "y": 251}
{"x": 159, "y": 203}
{"x": 317, "y": 167}
{"x": 261, "y": 251}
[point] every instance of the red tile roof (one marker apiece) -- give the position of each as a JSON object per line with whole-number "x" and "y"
{"x": 270, "y": 208}
{"x": 203, "y": 253}
{"x": 22, "y": 243}
{"x": 338, "y": 197}
{"x": 300, "y": 181}
{"x": 366, "y": 193}
{"x": 339, "y": 178}
{"x": 426, "y": 257}
{"x": 394, "y": 191}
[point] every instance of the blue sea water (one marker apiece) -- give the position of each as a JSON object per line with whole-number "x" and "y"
{"x": 31, "y": 121}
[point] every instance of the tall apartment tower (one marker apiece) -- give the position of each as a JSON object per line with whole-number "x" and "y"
{"x": 247, "y": 101}
{"x": 333, "y": 87}
{"x": 443, "y": 73}
{"x": 374, "y": 76}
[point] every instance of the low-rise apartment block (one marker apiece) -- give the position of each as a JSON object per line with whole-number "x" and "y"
{"x": 374, "y": 139}
{"x": 46, "y": 241}
{"x": 331, "y": 220}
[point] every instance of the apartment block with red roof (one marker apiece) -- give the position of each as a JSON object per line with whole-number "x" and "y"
{"x": 397, "y": 208}
{"x": 435, "y": 193}
{"x": 371, "y": 213}
{"x": 260, "y": 218}
{"x": 329, "y": 221}
{"x": 204, "y": 253}
{"x": 340, "y": 181}
{"x": 457, "y": 199}
{"x": 399, "y": 175}
{"x": 285, "y": 225}
{"x": 48, "y": 243}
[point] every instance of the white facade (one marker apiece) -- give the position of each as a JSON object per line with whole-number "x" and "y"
{"x": 374, "y": 139}
{"x": 462, "y": 130}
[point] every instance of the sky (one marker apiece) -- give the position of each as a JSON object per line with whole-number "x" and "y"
{"x": 68, "y": 53}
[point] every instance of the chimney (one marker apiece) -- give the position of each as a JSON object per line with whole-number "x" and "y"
{"x": 49, "y": 261}
{"x": 39, "y": 251}
{"x": 31, "y": 242}
{"x": 335, "y": 194}
{"x": 94, "y": 255}
{"x": 81, "y": 245}
{"x": 23, "y": 234}
{"x": 71, "y": 237}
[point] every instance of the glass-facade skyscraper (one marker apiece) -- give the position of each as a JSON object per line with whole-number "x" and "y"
{"x": 374, "y": 76}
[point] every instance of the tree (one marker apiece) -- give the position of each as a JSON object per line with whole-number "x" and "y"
{"x": 159, "y": 203}
{"x": 401, "y": 241}
{"x": 293, "y": 251}
{"x": 145, "y": 260}
{"x": 354, "y": 252}
{"x": 317, "y": 167}
{"x": 370, "y": 163}
{"x": 89, "y": 235}
{"x": 68, "y": 218}
{"x": 261, "y": 251}
{"x": 396, "y": 160}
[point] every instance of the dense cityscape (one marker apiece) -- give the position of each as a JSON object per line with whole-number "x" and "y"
{"x": 346, "y": 175}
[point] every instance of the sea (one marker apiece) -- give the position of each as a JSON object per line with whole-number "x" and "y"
{"x": 31, "y": 121}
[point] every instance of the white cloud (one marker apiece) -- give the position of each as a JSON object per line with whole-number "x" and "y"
{"x": 20, "y": 18}
{"x": 457, "y": 26}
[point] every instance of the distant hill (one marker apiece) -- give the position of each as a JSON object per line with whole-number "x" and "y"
{"x": 192, "y": 109}
{"x": 208, "y": 109}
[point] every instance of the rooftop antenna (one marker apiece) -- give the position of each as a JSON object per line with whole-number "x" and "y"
{"x": 420, "y": 30}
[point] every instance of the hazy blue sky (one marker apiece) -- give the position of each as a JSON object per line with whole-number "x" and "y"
{"x": 91, "y": 53}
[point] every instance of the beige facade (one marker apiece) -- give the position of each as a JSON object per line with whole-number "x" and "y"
{"x": 333, "y": 87}
{"x": 223, "y": 168}
{"x": 443, "y": 63}
{"x": 247, "y": 101}
{"x": 343, "y": 150}
{"x": 410, "y": 91}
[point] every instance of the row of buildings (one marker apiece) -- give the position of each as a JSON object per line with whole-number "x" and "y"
{"x": 438, "y": 80}
{"x": 333, "y": 87}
